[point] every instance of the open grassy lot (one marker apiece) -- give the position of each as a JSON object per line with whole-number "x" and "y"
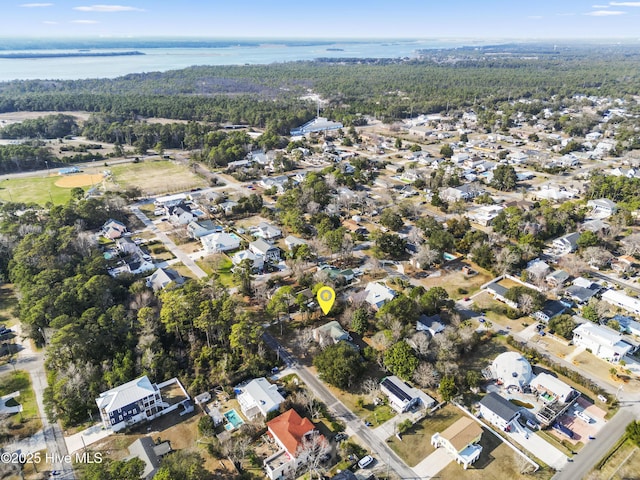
{"x": 218, "y": 264}
{"x": 452, "y": 279}
{"x": 497, "y": 462}
{"x": 623, "y": 463}
{"x": 155, "y": 177}
{"x": 8, "y": 304}
{"x": 28, "y": 421}
{"x": 415, "y": 445}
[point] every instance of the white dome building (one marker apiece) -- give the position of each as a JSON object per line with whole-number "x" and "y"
{"x": 512, "y": 370}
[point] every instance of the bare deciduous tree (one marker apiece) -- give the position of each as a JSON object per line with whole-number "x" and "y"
{"x": 426, "y": 375}
{"x": 421, "y": 342}
{"x": 312, "y": 452}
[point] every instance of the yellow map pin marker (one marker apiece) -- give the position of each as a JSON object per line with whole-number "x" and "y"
{"x": 326, "y": 297}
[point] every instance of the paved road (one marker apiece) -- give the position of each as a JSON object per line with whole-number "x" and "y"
{"x": 594, "y": 450}
{"x": 33, "y": 362}
{"x": 379, "y": 448}
{"x": 168, "y": 243}
{"x": 617, "y": 281}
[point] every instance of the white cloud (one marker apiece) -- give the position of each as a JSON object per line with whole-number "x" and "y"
{"x": 108, "y": 8}
{"x": 36, "y": 5}
{"x": 84, "y": 22}
{"x": 605, "y": 13}
{"x": 625, "y": 4}
{"x": 49, "y": 22}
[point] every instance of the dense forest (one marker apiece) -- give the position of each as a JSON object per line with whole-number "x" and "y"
{"x": 102, "y": 331}
{"x": 391, "y": 90}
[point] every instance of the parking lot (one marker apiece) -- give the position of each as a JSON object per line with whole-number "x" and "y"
{"x": 575, "y": 420}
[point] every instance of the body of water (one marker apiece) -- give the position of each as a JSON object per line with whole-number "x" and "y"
{"x": 173, "y": 58}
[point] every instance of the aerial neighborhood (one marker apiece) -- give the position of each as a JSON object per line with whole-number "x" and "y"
{"x": 485, "y": 266}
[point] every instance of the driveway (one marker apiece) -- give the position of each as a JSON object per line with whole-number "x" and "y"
{"x": 540, "y": 448}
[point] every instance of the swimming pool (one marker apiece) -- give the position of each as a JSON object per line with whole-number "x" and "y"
{"x": 233, "y": 418}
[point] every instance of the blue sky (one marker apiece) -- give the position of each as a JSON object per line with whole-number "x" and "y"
{"x": 487, "y": 19}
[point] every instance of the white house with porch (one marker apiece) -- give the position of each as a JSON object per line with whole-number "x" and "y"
{"x": 603, "y": 342}
{"x": 259, "y": 397}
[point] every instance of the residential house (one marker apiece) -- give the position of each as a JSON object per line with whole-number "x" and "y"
{"x": 624, "y": 264}
{"x": 170, "y": 200}
{"x": 461, "y": 440}
{"x": 113, "y": 229}
{"x": 464, "y": 192}
{"x": 511, "y": 370}
{"x": 137, "y": 262}
{"x": 432, "y": 324}
{"x": 181, "y": 214}
{"x": 291, "y": 242}
{"x": 557, "y": 278}
{"x": 628, "y": 325}
{"x": 596, "y": 226}
{"x": 126, "y": 245}
{"x": 226, "y": 207}
{"x": 537, "y": 269}
{"x": 279, "y": 183}
{"x": 498, "y": 292}
{"x": 257, "y": 261}
{"x": 566, "y": 244}
{"x": 129, "y": 403}
{"x": 603, "y": 342}
{"x": 580, "y": 295}
{"x": 551, "y": 389}
{"x": 485, "y": 215}
{"x": 622, "y": 300}
{"x": 378, "y": 294}
{"x": 267, "y": 231}
{"x": 551, "y": 309}
{"x": 290, "y": 432}
{"x": 151, "y": 454}
{"x": 499, "y": 411}
{"x": 602, "y": 207}
{"x": 200, "y": 228}
{"x": 220, "y": 242}
{"x": 259, "y": 397}
{"x": 265, "y": 249}
{"x": 331, "y": 333}
{"x": 163, "y": 277}
{"x": 403, "y": 397}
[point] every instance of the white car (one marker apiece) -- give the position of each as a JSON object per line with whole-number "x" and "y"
{"x": 583, "y": 416}
{"x": 364, "y": 462}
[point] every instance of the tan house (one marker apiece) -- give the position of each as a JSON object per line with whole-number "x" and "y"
{"x": 460, "y": 440}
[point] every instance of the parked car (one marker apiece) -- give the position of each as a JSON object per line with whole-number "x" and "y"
{"x": 340, "y": 437}
{"x": 365, "y": 461}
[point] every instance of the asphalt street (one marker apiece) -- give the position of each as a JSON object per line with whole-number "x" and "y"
{"x": 378, "y": 448}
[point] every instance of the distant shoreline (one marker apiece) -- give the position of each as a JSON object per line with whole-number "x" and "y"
{"x": 27, "y": 55}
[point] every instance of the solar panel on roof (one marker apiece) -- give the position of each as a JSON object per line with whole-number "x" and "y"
{"x": 396, "y": 390}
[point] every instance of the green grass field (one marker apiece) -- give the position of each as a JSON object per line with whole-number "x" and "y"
{"x": 151, "y": 176}
{"x": 28, "y": 421}
{"x": 38, "y": 190}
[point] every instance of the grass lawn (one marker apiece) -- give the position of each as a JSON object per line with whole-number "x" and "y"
{"x": 623, "y": 463}
{"x": 8, "y": 304}
{"x": 454, "y": 279}
{"x": 159, "y": 251}
{"x": 218, "y": 264}
{"x": 30, "y": 423}
{"x": 156, "y": 176}
{"x": 496, "y": 462}
{"x": 38, "y": 190}
{"x": 182, "y": 270}
{"x": 415, "y": 445}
